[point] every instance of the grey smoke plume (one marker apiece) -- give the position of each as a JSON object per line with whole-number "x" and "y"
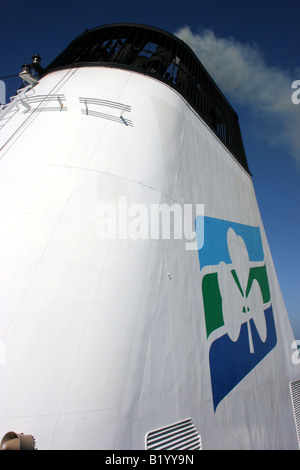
{"x": 243, "y": 76}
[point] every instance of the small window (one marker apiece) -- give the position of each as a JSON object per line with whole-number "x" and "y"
{"x": 177, "y": 436}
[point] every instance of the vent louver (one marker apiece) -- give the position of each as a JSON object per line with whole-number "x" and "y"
{"x": 295, "y": 393}
{"x": 178, "y": 436}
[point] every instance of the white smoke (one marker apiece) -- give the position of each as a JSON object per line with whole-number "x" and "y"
{"x": 243, "y": 76}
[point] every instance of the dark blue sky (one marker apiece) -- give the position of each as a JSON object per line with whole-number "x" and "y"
{"x": 271, "y": 28}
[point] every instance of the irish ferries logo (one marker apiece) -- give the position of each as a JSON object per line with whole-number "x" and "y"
{"x": 236, "y": 299}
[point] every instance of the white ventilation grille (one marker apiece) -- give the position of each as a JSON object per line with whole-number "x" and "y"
{"x": 295, "y": 392}
{"x": 178, "y": 436}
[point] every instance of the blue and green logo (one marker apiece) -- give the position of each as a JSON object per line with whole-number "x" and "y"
{"x": 237, "y": 304}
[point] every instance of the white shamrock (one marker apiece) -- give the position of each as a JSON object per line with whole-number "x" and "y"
{"x": 237, "y": 308}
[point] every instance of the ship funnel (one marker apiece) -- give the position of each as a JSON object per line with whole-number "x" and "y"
{"x": 15, "y": 441}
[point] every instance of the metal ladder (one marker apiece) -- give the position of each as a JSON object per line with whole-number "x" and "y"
{"x": 7, "y": 111}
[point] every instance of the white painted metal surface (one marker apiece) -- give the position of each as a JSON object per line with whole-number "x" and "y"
{"x": 106, "y": 340}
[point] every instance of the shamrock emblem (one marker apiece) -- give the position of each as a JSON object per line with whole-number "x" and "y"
{"x": 241, "y": 298}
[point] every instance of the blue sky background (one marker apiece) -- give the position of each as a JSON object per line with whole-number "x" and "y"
{"x": 251, "y": 48}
